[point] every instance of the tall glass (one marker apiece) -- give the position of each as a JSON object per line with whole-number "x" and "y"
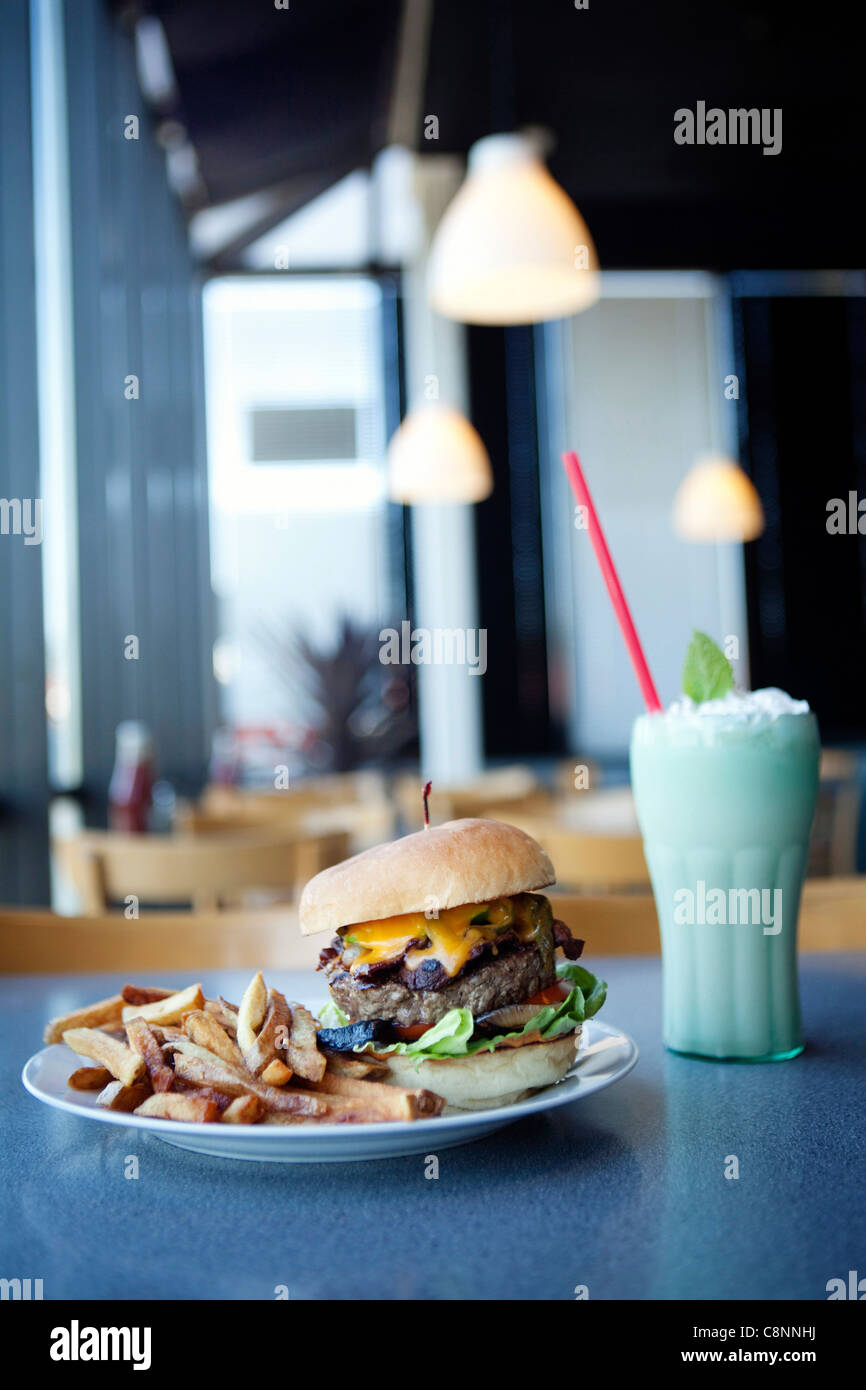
{"x": 725, "y": 794}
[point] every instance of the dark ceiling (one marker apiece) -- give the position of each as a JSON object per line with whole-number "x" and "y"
{"x": 299, "y": 97}
{"x": 296, "y": 97}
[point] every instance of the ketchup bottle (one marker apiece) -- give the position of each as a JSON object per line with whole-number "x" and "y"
{"x": 130, "y": 793}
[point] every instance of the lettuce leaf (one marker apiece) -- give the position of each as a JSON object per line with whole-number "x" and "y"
{"x": 332, "y": 1016}
{"x": 452, "y": 1035}
{"x": 594, "y": 989}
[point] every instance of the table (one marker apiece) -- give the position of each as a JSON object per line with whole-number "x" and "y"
{"x": 625, "y": 1192}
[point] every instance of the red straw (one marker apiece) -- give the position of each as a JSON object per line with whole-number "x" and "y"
{"x": 611, "y": 579}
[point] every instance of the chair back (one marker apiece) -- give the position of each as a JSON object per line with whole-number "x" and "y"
{"x": 835, "y": 829}
{"x": 596, "y": 863}
{"x": 364, "y": 823}
{"x": 505, "y": 786}
{"x": 33, "y": 941}
{"x": 593, "y": 863}
{"x": 202, "y": 870}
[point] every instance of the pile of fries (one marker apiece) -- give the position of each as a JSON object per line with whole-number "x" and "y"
{"x": 175, "y": 1055}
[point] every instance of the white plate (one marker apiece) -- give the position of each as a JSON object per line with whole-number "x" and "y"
{"x": 606, "y": 1054}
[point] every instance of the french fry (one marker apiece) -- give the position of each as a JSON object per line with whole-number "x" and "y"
{"x": 251, "y": 1014}
{"x": 225, "y": 1014}
{"x": 393, "y": 1102}
{"x": 183, "y": 1044}
{"x": 145, "y": 994}
{"x": 124, "y": 1064}
{"x": 224, "y": 1078}
{"x": 143, "y": 1040}
{"x": 168, "y": 1010}
{"x": 339, "y": 1110}
{"x": 341, "y": 1065}
{"x": 204, "y": 1029}
{"x": 302, "y": 1053}
{"x": 104, "y": 1014}
{"x": 220, "y": 1099}
{"x": 276, "y": 1073}
{"x": 171, "y": 1105}
{"x": 262, "y": 1057}
{"x": 165, "y": 1034}
{"x": 89, "y": 1079}
{"x": 243, "y": 1110}
{"x": 189, "y": 1058}
{"x": 116, "y": 1096}
{"x": 280, "y": 1117}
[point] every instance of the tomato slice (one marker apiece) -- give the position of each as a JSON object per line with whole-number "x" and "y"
{"x": 411, "y": 1032}
{"x": 554, "y": 994}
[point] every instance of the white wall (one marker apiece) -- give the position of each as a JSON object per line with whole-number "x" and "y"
{"x": 636, "y": 386}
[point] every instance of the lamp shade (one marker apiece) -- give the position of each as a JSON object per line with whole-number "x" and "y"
{"x": 717, "y": 502}
{"x": 511, "y": 247}
{"x": 437, "y": 456}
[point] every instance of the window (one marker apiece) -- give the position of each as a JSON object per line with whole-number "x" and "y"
{"x": 297, "y": 430}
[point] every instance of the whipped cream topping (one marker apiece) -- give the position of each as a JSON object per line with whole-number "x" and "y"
{"x": 741, "y": 716}
{"x": 740, "y": 706}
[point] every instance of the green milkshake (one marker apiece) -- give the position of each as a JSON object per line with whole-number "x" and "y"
{"x": 725, "y": 784}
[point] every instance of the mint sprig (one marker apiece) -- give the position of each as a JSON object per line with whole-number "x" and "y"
{"x": 707, "y": 673}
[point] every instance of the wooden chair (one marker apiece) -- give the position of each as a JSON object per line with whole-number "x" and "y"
{"x": 832, "y": 918}
{"x": 202, "y": 870}
{"x": 501, "y": 786}
{"x": 36, "y": 941}
{"x": 365, "y": 784}
{"x": 538, "y": 803}
{"x": 595, "y": 863}
{"x": 608, "y": 811}
{"x": 365, "y": 823}
{"x": 833, "y": 848}
{"x": 339, "y": 789}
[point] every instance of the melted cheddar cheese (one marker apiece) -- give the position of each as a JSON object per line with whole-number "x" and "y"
{"x": 448, "y": 938}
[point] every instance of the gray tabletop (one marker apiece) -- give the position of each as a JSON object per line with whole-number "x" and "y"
{"x": 624, "y": 1192}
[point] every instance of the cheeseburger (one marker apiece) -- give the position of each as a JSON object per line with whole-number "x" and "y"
{"x": 447, "y": 964}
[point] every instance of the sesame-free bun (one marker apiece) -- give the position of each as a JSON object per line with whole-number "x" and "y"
{"x": 463, "y": 861}
{"x": 486, "y": 1079}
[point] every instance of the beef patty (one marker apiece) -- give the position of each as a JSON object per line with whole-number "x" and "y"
{"x": 505, "y": 979}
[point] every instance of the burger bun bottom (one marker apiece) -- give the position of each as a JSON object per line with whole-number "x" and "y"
{"x": 486, "y": 1079}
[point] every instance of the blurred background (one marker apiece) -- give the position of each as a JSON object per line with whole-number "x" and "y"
{"x": 240, "y": 621}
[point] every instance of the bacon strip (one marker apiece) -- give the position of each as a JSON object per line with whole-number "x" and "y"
{"x": 572, "y": 946}
{"x": 432, "y": 975}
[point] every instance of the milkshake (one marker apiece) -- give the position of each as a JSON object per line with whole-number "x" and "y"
{"x": 725, "y": 791}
